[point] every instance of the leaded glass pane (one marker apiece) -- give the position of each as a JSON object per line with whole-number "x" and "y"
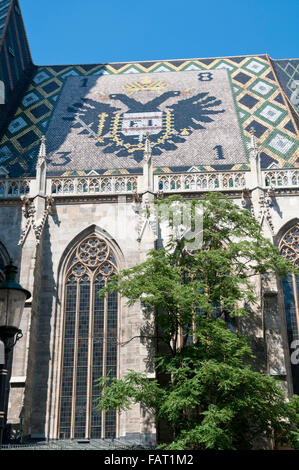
{"x": 82, "y": 360}
{"x": 111, "y": 335}
{"x": 97, "y": 372}
{"x": 289, "y": 305}
{"x": 289, "y": 248}
{"x": 83, "y": 325}
{"x": 110, "y": 424}
{"x": 68, "y": 360}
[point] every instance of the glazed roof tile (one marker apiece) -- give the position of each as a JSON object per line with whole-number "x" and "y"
{"x": 4, "y": 7}
{"x": 196, "y": 111}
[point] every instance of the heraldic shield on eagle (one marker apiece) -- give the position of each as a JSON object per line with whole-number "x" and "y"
{"x": 118, "y": 122}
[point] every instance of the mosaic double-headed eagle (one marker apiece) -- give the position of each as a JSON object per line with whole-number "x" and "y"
{"x": 122, "y": 132}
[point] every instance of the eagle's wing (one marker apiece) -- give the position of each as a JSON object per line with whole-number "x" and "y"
{"x": 86, "y": 113}
{"x": 190, "y": 112}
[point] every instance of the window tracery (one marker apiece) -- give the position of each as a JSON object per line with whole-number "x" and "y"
{"x": 90, "y": 340}
{"x": 289, "y": 246}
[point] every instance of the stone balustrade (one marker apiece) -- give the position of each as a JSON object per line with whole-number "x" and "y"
{"x": 201, "y": 181}
{"x": 14, "y": 188}
{"x": 281, "y": 178}
{"x": 166, "y": 183}
{"x": 93, "y": 185}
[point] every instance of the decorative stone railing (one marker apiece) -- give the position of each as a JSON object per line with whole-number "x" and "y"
{"x": 167, "y": 183}
{"x": 201, "y": 181}
{"x": 93, "y": 185}
{"x": 14, "y": 188}
{"x": 281, "y": 178}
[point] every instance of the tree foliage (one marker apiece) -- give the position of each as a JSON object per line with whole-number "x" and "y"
{"x": 213, "y": 398}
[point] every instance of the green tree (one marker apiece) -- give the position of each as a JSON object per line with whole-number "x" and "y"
{"x": 214, "y": 397}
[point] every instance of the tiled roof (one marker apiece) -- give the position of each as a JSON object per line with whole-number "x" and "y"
{"x": 4, "y": 7}
{"x": 15, "y": 61}
{"x": 287, "y": 72}
{"x": 197, "y": 112}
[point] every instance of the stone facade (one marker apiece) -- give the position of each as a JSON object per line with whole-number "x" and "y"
{"x": 117, "y": 218}
{"x": 119, "y": 136}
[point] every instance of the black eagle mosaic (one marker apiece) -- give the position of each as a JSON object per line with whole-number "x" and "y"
{"x": 190, "y": 118}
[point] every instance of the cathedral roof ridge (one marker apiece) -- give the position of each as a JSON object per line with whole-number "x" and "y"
{"x": 150, "y": 61}
{"x": 5, "y": 11}
{"x": 283, "y": 58}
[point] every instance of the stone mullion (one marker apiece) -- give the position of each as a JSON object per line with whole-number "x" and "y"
{"x": 75, "y": 361}
{"x": 179, "y": 338}
{"x": 104, "y": 355}
{"x": 194, "y": 330}
{"x": 90, "y": 360}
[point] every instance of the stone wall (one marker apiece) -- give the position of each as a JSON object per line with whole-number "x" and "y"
{"x": 37, "y": 357}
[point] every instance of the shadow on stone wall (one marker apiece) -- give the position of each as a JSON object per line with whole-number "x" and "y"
{"x": 43, "y": 357}
{"x": 253, "y": 327}
{"x": 10, "y": 232}
{"x": 148, "y": 339}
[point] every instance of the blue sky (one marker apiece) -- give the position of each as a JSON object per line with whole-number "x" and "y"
{"x": 97, "y": 31}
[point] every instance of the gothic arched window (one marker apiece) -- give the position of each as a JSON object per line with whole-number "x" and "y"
{"x": 90, "y": 340}
{"x": 289, "y": 248}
